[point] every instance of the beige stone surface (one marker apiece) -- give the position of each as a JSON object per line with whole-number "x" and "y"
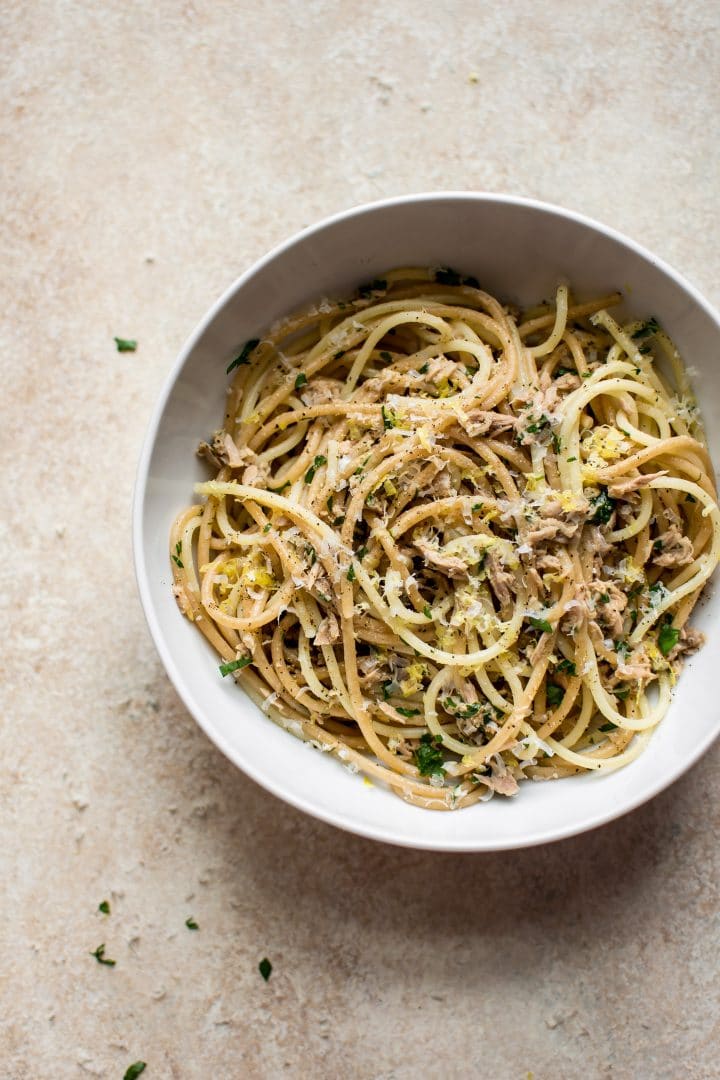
{"x": 151, "y": 151}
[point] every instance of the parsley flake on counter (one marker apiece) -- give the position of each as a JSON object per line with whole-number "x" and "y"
{"x": 133, "y": 1071}
{"x": 191, "y": 924}
{"x": 235, "y": 665}
{"x": 265, "y": 968}
{"x": 99, "y": 955}
{"x": 244, "y": 356}
{"x": 104, "y": 906}
{"x": 125, "y": 344}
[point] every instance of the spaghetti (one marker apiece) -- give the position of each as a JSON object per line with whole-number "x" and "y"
{"x": 453, "y": 543}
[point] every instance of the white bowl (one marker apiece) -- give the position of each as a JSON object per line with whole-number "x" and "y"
{"x": 518, "y": 249}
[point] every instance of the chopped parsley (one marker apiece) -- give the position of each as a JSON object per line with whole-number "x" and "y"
{"x": 427, "y": 612}
{"x": 279, "y": 490}
{"x": 647, "y": 329}
{"x": 571, "y": 459}
{"x": 267, "y": 528}
{"x": 540, "y": 624}
{"x": 133, "y": 1071}
{"x": 566, "y": 666}
{"x": 428, "y": 758}
{"x": 191, "y": 924}
{"x": 362, "y": 552}
{"x": 366, "y": 291}
{"x": 125, "y": 344}
{"x": 657, "y": 544}
{"x": 621, "y": 692}
{"x": 104, "y": 906}
{"x": 351, "y": 573}
{"x": 340, "y": 353}
{"x": 265, "y": 968}
{"x": 554, "y": 694}
{"x": 538, "y": 425}
{"x": 563, "y": 371}
{"x": 386, "y": 356}
{"x": 300, "y": 380}
{"x": 388, "y": 416}
{"x": 557, "y": 442}
{"x": 424, "y": 369}
{"x": 602, "y": 507}
{"x": 235, "y": 665}
{"x": 176, "y": 557}
{"x": 622, "y": 649}
{"x": 467, "y": 712}
{"x": 608, "y": 727}
{"x": 407, "y": 712}
{"x": 101, "y": 958}
{"x": 244, "y": 355}
{"x": 604, "y": 598}
{"x": 386, "y": 687}
{"x": 690, "y": 498}
{"x": 317, "y": 463}
{"x": 668, "y": 638}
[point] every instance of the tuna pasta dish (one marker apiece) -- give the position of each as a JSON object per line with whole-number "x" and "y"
{"x": 453, "y": 542}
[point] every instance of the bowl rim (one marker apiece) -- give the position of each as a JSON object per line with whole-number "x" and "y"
{"x": 340, "y": 819}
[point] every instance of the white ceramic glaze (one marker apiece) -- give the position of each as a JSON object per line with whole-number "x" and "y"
{"x": 518, "y": 249}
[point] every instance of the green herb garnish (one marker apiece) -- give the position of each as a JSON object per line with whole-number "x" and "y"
{"x": 428, "y": 758}
{"x": 622, "y": 649}
{"x": 104, "y": 906}
{"x": 133, "y": 1071}
{"x": 604, "y": 598}
{"x": 554, "y": 694}
{"x": 388, "y": 416}
{"x": 265, "y": 968}
{"x": 319, "y": 460}
{"x": 300, "y": 380}
{"x": 351, "y": 573}
{"x": 424, "y": 369}
{"x": 668, "y": 638}
{"x": 176, "y": 557}
{"x": 427, "y": 612}
{"x": 125, "y": 344}
{"x": 191, "y": 924}
{"x": 407, "y": 712}
{"x": 621, "y": 692}
{"x": 540, "y": 624}
{"x": 602, "y": 508}
{"x": 608, "y": 727}
{"x": 566, "y": 666}
{"x": 244, "y": 356}
{"x": 362, "y": 552}
{"x": 647, "y": 329}
{"x": 386, "y": 356}
{"x": 99, "y": 955}
{"x": 557, "y": 442}
{"x": 235, "y": 665}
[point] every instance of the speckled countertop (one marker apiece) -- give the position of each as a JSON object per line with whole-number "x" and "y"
{"x": 151, "y": 152}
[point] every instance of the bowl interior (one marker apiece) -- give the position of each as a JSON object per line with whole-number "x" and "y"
{"x": 518, "y": 250}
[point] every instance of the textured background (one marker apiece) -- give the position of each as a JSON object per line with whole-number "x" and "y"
{"x": 151, "y": 152}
